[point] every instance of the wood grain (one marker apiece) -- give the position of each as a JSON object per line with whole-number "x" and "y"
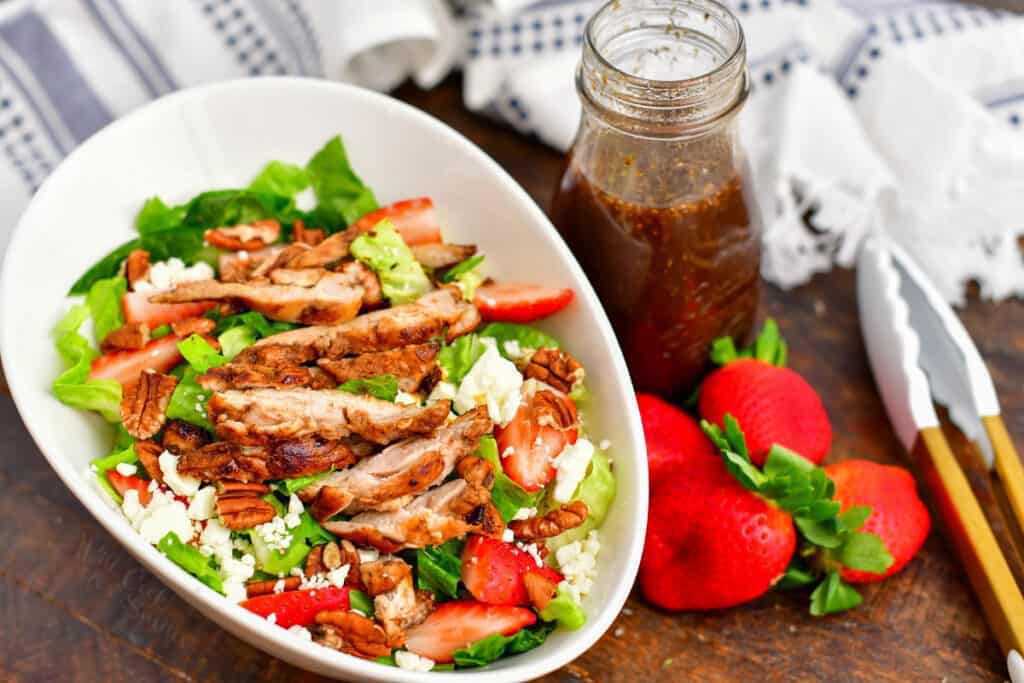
{"x": 79, "y": 608}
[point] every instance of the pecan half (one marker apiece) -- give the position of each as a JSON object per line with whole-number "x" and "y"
{"x": 136, "y": 266}
{"x": 257, "y": 588}
{"x": 304, "y": 235}
{"x": 314, "y": 562}
{"x": 332, "y": 556}
{"x": 555, "y": 368}
{"x": 241, "y": 506}
{"x": 350, "y": 556}
{"x": 539, "y": 588}
{"x": 381, "y": 576}
{"x": 132, "y": 336}
{"x": 183, "y": 437}
{"x": 184, "y": 328}
{"x": 477, "y": 471}
{"x": 554, "y": 410}
{"x": 360, "y": 635}
{"x": 569, "y": 516}
{"x": 247, "y": 236}
{"x": 144, "y": 404}
{"x": 149, "y": 455}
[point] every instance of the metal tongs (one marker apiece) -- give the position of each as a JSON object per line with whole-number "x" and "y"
{"x": 920, "y": 351}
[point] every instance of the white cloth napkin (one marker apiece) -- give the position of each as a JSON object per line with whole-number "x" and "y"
{"x": 905, "y": 117}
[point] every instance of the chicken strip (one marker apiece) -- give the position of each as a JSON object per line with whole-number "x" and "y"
{"x": 303, "y": 297}
{"x": 259, "y": 416}
{"x": 440, "y": 255}
{"x": 446, "y": 512}
{"x": 442, "y": 311}
{"x": 244, "y": 376}
{"x": 401, "y": 469}
{"x": 410, "y": 364}
{"x": 329, "y": 252}
{"x": 281, "y": 460}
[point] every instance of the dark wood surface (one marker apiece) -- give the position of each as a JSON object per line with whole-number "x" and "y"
{"x": 76, "y": 607}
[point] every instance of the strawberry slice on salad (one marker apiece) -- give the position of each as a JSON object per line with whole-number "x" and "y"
{"x": 414, "y": 219}
{"x": 125, "y": 366}
{"x": 519, "y": 302}
{"x": 493, "y": 571}
{"x": 138, "y": 309}
{"x": 528, "y": 444}
{"x": 454, "y": 625}
{"x": 122, "y": 484}
{"x": 298, "y": 608}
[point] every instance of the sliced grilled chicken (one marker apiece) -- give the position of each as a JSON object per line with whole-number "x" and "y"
{"x": 328, "y": 253}
{"x": 329, "y": 298}
{"x": 440, "y": 255}
{"x": 410, "y": 364}
{"x": 281, "y": 460}
{"x": 284, "y": 376}
{"x": 258, "y": 416}
{"x": 442, "y": 311}
{"x": 401, "y": 469}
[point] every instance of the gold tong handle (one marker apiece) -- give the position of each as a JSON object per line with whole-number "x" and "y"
{"x": 1008, "y": 465}
{"x": 972, "y": 538}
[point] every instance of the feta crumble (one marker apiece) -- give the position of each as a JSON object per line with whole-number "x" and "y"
{"x": 275, "y": 534}
{"x": 367, "y": 555}
{"x": 336, "y": 577}
{"x": 183, "y": 486}
{"x": 166, "y": 274}
{"x": 126, "y": 469}
{"x": 571, "y": 466}
{"x": 605, "y": 444}
{"x": 162, "y": 515}
{"x": 525, "y": 513}
{"x": 508, "y": 536}
{"x": 443, "y": 391}
{"x": 578, "y": 564}
{"x": 411, "y": 661}
{"x": 492, "y": 381}
{"x": 202, "y": 504}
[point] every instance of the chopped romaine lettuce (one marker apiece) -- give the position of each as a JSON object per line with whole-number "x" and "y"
{"x": 564, "y": 610}
{"x": 73, "y": 386}
{"x": 358, "y": 600}
{"x": 457, "y": 358}
{"x": 234, "y": 340}
{"x": 525, "y": 336}
{"x": 487, "y": 650}
{"x": 304, "y": 537}
{"x": 188, "y": 402}
{"x": 402, "y": 279}
{"x": 156, "y": 216}
{"x": 277, "y": 177}
{"x": 341, "y": 195}
{"x": 201, "y": 356}
{"x": 597, "y": 490}
{"x": 384, "y": 387}
{"x": 191, "y": 560}
{"x": 101, "y": 466}
{"x": 467, "y": 274}
{"x": 439, "y": 569}
{"x": 508, "y": 497}
{"x": 104, "y": 302}
{"x": 160, "y": 331}
{"x": 290, "y": 486}
{"x": 262, "y": 325}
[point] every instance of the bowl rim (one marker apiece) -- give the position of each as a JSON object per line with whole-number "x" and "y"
{"x": 252, "y": 629}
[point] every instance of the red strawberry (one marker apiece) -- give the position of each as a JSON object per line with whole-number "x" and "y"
{"x": 517, "y": 302}
{"x": 710, "y": 542}
{"x": 773, "y": 404}
{"x": 898, "y": 516}
{"x": 414, "y": 220}
{"x": 138, "y": 309}
{"x": 298, "y": 608}
{"x": 125, "y": 366}
{"x": 493, "y": 571}
{"x": 123, "y": 484}
{"x": 454, "y": 625}
{"x": 673, "y": 437}
{"x": 529, "y": 443}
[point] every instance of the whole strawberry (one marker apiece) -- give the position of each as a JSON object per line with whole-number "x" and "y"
{"x": 673, "y": 438}
{"x": 897, "y": 516}
{"x": 774, "y": 404}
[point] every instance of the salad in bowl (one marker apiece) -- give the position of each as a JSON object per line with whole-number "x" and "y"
{"x": 329, "y": 415}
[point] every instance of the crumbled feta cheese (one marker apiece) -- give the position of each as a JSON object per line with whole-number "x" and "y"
{"x": 126, "y": 469}
{"x": 578, "y": 564}
{"x": 300, "y": 632}
{"x": 406, "y": 399}
{"x": 215, "y": 537}
{"x": 272, "y": 618}
{"x": 516, "y": 352}
{"x": 183, "y": 486}
{"x": 336, "y": 577}
{"x": 509, "y": 451}
{"x": 412, "y": 662}
{"x": 492, "y": 381}
{"x": 525, "y": 513}
{"x": 295, "y": 506}
{"x": 279, "y": 586}
{"x": 605, "y": 444}
{"x": 235, "y": 590}
{"x": 130, "y": 506}
{"x": 314, "y": 581}
{"x": 292, "y": 520}
{"x": 153, "y": 485}
{"x": 368, "y": 555}
{"x": 202, "y": 504}
{"x": 166, "y": 274}
{"x": 532, "y": 551}
{"x": 443, "y": 391}
{"x": 507, "y": 535}
{"x": 162, "y": 515}
{"x": 571, "y": 466}
{"x": 275, "y": 534}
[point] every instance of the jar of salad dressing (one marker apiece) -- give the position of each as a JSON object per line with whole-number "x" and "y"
{"x": 654, "y": 202}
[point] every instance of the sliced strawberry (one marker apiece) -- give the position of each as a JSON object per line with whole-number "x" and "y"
{"x": 414, "y": 220}
{"x": 454, "y": 625}
{"x": 125, "y": 366}
{"x": 298, "y": 608}
{"x": 138, "y": 309}
{"x": 518, "y": 302}
{"x": 123, "y": 484}
{"x": 529, "y": 444}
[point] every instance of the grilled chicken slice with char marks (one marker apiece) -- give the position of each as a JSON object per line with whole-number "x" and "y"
{"x": 440, "y": 255}
{"x": 259, "y": 416}
{"x": 283, "y": 376}
{"x": 440, "y": 311}
{"x": 281, "y": 460}
{"x": 330, "y": 298}
{"x": 401, "y": 469}
{"x": 410, "y": 364}
{"x": 443, "y": 513}
{"x": 329, "y": 252}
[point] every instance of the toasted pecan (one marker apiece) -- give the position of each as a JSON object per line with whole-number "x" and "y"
{"x": 131, "y": 336}
{"x": 136, "y": 266}
{"x": 555, "y": 368}
{"x": 314, "y": 562}
{"x": 144, "y": 404}
{"x": 149, "y": 455}
{"x": 245, "y": 236}
{"x": 381, "y": 576}
{"x": 539, "y": 588}
{"x": 360, "y": 635}
{"x": 241, "y": 506}
{"x": 350, "y": 556}
{"x": 304, "y": 235}
{"x": 553, "y": 409}
{"x": 569, "y": 516}
{"x": 257, "y": 588}
{"x": 184, "y": 328}
{"x": 332, "y": 556}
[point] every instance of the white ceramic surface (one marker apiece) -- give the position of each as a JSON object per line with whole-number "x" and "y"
{"x": 220, "y": 136}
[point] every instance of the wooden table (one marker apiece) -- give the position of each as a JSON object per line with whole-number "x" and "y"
{"x": 76, "y": 607}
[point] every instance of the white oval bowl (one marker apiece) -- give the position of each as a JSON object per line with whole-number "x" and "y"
{"x": 221, "y": 135}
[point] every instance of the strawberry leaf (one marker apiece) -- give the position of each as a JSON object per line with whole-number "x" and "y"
{"x": 855, "y": 517}
{"x": 796, "y": 577}
{"x": 723, "y": 351}
{"x": 865, "y": 552}
{"x": 833, "y": 595}
{"x": 823, "y": 533}
{"x": 734, "y": 451}
{"x": 768, "y": 347}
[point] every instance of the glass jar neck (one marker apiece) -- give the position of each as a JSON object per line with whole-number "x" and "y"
{"x": 663, "y": 68}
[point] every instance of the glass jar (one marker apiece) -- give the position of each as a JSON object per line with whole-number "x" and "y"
{"x": 654, "y": 201}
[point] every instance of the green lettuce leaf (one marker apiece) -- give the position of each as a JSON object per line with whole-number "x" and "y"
{"x": 103, "y": 465}
{"x": 73, "y": 386}
{"x": 384, "y": 387}
{"x": 467, "y": 274}
{"x": 597, "y": 490}
{"x": 304, "y": 537}
{"x": 201, "y": 356}
{"x": 279, "y": 178}
{"x": 508, "y": 497}
{"x": 160, "y": 331}
{"x": 491, "y": 648}
{"x": 191, "y": 560}
{"x": 156, "y": 216}
{"x": 358, "y": 600}
{"x": 457, "y": 358}
{"x": 402, "y": 279}
{"x": 262, "y": 325}
{"x": 104, "y": 302}
{"x": 564, "y": 610}
{"x": 188, "y": 402}
{"x": 234, "y": 340}
{"x": 341, "y": 195}
{"x": 290, "y": 486}
{"x": 439, "y": 569}
{"x": 526, "y": 336}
